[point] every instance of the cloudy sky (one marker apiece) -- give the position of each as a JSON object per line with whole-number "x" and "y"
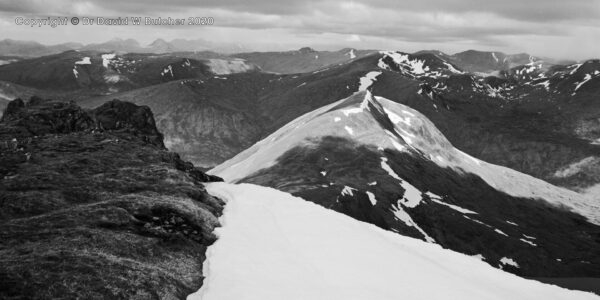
{"x": 555, "y": 28}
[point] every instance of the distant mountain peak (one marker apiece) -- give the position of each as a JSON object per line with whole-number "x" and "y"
{"x": 307, "y": 50}
{"x": 158, "y": 41}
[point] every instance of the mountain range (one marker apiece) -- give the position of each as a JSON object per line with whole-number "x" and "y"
{"x": 490, "y": 155}
{"x": 9, "y": 47}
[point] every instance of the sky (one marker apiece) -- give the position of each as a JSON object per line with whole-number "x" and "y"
{"x": 552, "y": 28}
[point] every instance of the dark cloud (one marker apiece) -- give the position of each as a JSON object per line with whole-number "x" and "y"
{"x": 477, "y": 22}
{"x": 524, "y": 10}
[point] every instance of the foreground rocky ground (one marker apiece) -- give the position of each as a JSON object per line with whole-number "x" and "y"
{"x": 92, "y": 205}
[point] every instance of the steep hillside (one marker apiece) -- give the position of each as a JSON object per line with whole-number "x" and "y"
{"x": 93, "y": 206}
{"x": 384, "y": 163}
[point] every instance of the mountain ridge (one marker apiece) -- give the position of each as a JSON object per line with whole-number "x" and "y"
{"x": 383, "y": 163}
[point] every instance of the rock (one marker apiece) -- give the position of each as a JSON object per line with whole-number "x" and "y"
{"x": 120, "y": 115}
{"x": 13, "y": 107}
{"x": 39, "y": 117}
{"x": 100, "y": 210}
{"x": 306, "y": 50}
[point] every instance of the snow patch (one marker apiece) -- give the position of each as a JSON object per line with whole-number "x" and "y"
{"x": 452, "y": 69}
{"x": 356, "y": 110}
{"x": 106, "y": 58}
{"x": 367, "y": 80}
{"x": 372, "y": 198}
{"x": 414, "y": 67}
{"x": 587, "y": 78}
{"x": 509, "y": 262}
{"x": 348, "y": 191}
{"x": 388, "y": 169}
{"x": 412, "y": 196}
{"x": 437, "y": 199}
{"x": 167, "y": 70}
{"x": 528, "y": 242}
{"x": 498, "y": 231}
{"x": 575, "y": 68}
{"x": 349, "y": 130}
{"x": 351, "y": 54}
{"x": 403, "y": 216}
{"x": 224, "y": 67}
{"x": 476, "y": 221}
{"x": 545, "y": 84}
{"x": 398, "y": 119}
{"x": 479, "y": 257}
{"x": 84, "y": 61}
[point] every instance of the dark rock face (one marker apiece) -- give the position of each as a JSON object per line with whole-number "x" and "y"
{"x": 93, "y": 206}
{"x": 119, "y": 115}
{"x": 41, "y": 117}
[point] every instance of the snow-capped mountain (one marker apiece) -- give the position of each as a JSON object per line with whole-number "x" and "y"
{"x": 385, "y": 163}
{"x": 382, "y": 123}
{"x": 519, "y": 125}
{"x": 109, "y": 72}
{"x": 446, "y": 74}
{"x": 276, "y": 246}
{"x": 537, "y": 118}
{"x": 534, "y": 119}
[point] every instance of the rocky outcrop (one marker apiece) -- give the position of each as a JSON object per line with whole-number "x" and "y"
{"x": 119, "y": 115}
{"x": 41, "y": 117}
{"x": 92, "y": 205}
